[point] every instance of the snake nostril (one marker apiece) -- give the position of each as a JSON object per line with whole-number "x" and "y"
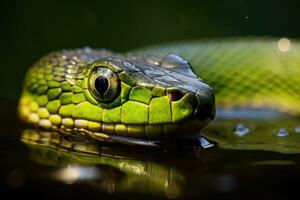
{"x": 175, "y": 95}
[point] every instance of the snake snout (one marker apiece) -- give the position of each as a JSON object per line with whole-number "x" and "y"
{"x": 205, "y": 105}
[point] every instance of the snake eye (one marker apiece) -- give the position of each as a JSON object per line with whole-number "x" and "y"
{"x": 104, "y": 84}
{"x": 101, "y": 85}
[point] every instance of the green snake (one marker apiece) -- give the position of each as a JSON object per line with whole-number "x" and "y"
{"x": 155, "y": 93}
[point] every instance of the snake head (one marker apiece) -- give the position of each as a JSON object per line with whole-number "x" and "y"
{"x": 156, "y": 95}
{"x": 105, "y": 95}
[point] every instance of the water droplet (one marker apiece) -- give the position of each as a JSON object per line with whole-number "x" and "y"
{"x": 297, "y": 129}
{"x": 282, "y": 133}
{"x": 205, "y": 143}
{"x": 87, "y": 50}
{"x": 241, "y": 130}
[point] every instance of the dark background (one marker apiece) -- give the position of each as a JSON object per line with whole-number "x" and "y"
{"x": 30, "y": 29}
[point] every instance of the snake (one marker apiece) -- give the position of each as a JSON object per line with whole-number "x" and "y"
{"x": 159, "y": 92}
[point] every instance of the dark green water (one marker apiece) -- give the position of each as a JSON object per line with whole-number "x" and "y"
{"x": 259, "y": 164}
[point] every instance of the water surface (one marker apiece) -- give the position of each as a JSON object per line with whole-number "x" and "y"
{"x": 251, "y": 158}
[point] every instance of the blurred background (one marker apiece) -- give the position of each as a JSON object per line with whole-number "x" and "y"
{"x": 30, "y": 29}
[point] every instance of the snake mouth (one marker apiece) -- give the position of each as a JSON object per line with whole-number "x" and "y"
{"x": 146, "y": 132}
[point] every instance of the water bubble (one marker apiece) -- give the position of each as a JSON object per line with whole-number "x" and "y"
{"x": 87, "y": 50}
{"x": 282, "y": 133}
{"x": 241, "y": 130}
{"x": 297, "y": 129}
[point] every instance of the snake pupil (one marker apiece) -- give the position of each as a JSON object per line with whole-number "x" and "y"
{"x": 101, "y": 85}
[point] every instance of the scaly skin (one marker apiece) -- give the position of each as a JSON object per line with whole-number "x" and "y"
{"x": 148, "y": 97}
{"x": 244, "y": 72}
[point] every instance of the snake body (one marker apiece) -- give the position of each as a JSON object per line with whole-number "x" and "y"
{"x": 246, "y": 72}
{"x": 153, "y": 93}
